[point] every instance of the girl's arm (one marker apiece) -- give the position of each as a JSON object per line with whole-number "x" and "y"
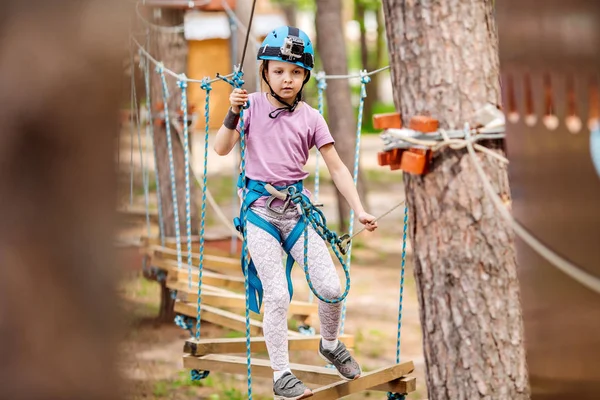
{"x": 227, "y": 136}
{"x": 345, "y": 183}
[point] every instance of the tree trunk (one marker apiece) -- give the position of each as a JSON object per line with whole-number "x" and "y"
{"x": 171, "y": 49}
{"x": 243, "y": 10}
{"x": 290, "y": 10}
{"x": 61, "y": 70}
{"x": 359, "y": 15}
{"x": 332, "y": 47}
{"x": 445, "y": 63}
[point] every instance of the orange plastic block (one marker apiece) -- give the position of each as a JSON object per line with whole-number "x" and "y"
{"x": 383, "y": 158}
{"x": 413, "y": 163}
{"x": 395, "y": 167}
{"x": 387, "y": 121}
{"x": 424, "y": 124}
{"x": 396, "y": 157}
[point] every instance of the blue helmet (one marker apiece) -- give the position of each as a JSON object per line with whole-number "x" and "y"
{"x": 288, "y": 44}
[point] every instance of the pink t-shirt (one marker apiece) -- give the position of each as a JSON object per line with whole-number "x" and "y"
{"x": 278, "y": 149}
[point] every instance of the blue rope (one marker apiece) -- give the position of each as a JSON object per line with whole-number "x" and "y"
{"x": 315, "y": 217}
{"x": 206, "y": 87}
{"x": 184, "y": 323}
{"x": 160, "y": 70}
{"x": 161, "y": 223}
{"x": 363, "y": 94}
{"x": 401, "y": 283}
{"x": 391, "y": 395}
{"x": 237, "y": 82}
{"x": 186, "y": 165}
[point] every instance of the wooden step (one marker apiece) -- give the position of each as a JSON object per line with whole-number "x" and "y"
{"x": 203, "y": 347}
{"x": 311, "y": 375}
{"x": 222, "y": 318}
{"x": 171, "y": 242}
{"x": 260, "y": 368}
{"x": 368, "y": 381}
{"x": 233, "y": 300}
{"x": 213, "y": 263}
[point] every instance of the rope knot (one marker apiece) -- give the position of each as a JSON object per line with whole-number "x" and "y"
{"x": 198, "y": 375}
{"x": 237, "y": 80}
{"x": 182, "y": 82}
{"x": 160, "y": 67}
{"x": 395, "y": 396}
{"x": 205, "y": 85}
{"x": 321, "y": 82}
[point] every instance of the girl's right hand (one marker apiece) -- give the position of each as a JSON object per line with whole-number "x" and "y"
{"x": 238, "y": 98}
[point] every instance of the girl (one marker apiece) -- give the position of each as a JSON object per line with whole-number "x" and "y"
{"x": 280, "y": 130}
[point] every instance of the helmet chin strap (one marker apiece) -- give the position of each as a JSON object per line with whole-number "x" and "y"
{"x": 287, "y": 107}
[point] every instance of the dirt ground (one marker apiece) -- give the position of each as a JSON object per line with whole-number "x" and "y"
{"x": 152, "y": 353}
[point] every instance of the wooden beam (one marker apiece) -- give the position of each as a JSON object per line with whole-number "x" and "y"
{"x": 234, "y": 300}
{"x": 234, "y": 283}
{"x": 214, "y": 263}
{"x": 222, "y": 318}
{"x": 171, "y": 243}
{"x": 260, "y": 368}
{"x": 219, "y": 317}
{"x": 366, "y": 381}
{"x": 406, "y": 384}
{"x": 203, "y": 347}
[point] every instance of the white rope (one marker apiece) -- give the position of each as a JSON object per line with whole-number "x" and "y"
{"x": 170, "y": 72}
{"x": 354, "y": 76}
{"x": 405, "y": 138}
{"x": 577, "y": 273}
{"x": 166, "y": 29}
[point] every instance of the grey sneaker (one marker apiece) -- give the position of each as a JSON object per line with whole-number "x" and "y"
{"x": 288, "y": 387}
{"x": 344, "y": 363}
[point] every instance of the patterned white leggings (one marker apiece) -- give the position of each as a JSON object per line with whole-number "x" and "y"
{"x": 267, "y": 253}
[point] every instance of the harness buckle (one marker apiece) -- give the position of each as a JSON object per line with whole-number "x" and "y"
{"x": 344, "y": 243}
{"x": 281, "y": 210}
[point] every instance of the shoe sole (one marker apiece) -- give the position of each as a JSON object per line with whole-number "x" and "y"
{"x": 336, "y": 370}
{"x": 307, "y": 393}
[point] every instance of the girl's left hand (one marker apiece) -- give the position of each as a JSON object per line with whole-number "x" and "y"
{"x": 368, "y": 221}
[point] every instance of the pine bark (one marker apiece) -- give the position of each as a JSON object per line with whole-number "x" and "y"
{"x": 171, "y": 49}
{"x": 444, "y": 58}
{"x": 342, "y": 122}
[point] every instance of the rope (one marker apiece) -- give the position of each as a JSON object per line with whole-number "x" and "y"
{"x": 321, "y": 85}
{"x": 186, "y": 165}
{"x": 316, "y": 218}
{"x": 574, "y": 271}
{"x": 150, "y": 132}
{"x": 237, "y": 83}
{"x": 363, "y": 94}
{"x": 160, "y": 71}
{"x": 207, "y": 87}
{"x": 166, "y": 29}
{"x": 360, "y": 75}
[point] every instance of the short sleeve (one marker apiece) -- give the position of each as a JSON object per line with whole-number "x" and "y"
{"x": 322, "y": 134}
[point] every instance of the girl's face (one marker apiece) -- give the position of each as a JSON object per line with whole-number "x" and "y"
{"x": 285, "y": 78}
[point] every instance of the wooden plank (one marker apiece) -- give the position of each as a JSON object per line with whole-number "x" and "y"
{"x": 203, "y": 347}
{"x": 213, "y": 263}
{"x": 222, "y": 318}
{"x": 234, "y": 283}
{"x": 406, "y": 384}
{"x": 235, "y": 300}
{"x": 219, "y": 317}
{"x": 366, "y": 381}
{"x": 260, "y": 368}
{"x": 171, "y": 242}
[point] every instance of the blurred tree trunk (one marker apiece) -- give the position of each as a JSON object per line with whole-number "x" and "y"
{"x": 171, "y": 49}
{"x": 444, "y": 62}
{"x": 290, "y": 9}
{"x": 243, "y": 10}
{"x": 60, "y": 80}
{"x": 331, "y": 45}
